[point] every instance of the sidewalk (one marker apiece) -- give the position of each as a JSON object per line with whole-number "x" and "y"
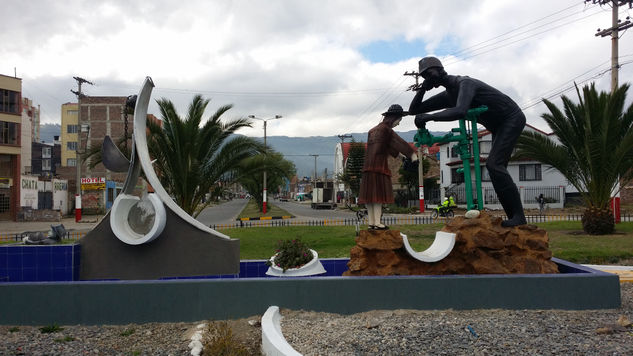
{"x": 13, "y": 227}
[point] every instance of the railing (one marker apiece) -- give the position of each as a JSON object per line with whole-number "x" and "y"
{"x": 391, "y": 220}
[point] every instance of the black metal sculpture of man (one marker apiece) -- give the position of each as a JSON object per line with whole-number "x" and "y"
{"x": 504, "y": 119}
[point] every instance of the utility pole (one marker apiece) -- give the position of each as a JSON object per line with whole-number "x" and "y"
{"x": 613, "y": 31}
{"x": 315, "y": 169}
{"x": 80, "y": 95}
{"x": 265, "y": 198}
{"x": 416, "y": 75}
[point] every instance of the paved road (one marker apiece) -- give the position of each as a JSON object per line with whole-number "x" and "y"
{"x": 304, "y": 211}
{"x": 223, "y": 213}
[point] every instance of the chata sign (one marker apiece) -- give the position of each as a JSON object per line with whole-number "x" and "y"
{"x": 93, "y": 183}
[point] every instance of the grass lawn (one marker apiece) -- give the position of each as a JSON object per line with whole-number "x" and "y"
{"x": 567, "y": 240}
{"x": 252, "y": 211}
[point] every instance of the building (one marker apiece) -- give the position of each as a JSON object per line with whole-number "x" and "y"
{"x": 68, "y": 136}
{"x": 45, "y": 158}
{"x": 531, "y": 177}
{"x": 10, "y": 150}
{"x": 30, "y": 132}
{"x": 84, "y": 126}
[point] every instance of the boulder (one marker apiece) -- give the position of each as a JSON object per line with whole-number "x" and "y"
{"x": 482, "y": 246}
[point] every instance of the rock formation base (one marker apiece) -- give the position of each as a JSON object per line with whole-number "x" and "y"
{"x": 482, "y": 246}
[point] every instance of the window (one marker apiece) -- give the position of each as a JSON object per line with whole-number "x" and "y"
{"x": 456, "y": 178}
{"x": 528, "y": 172}
{"x": 448, "y": 152}
{"x": 71, "y": 112}
{"x": 46, "y": 165}
{"x": 72, "y": 128}
{"x": 71, "y": 162}
{"x": 46, "y": 152}
{"x": 484, "y": 147}
{"x": 9, "y": 101}
{"x": 71, "y": 146}
{"x": 454, "y": 151}
{"x": 8, "y": 133}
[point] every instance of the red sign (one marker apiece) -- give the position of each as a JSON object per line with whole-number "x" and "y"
{"x": 93, "y": 180}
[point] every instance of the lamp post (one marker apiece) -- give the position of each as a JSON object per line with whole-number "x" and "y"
{"x": 265, "y": 122}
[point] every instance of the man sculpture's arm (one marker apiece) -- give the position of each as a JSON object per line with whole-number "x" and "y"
{"x": 464, "y": 99}
{"x": 436, "y": 102}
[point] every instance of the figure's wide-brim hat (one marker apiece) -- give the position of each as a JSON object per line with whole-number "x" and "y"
{"x": 395, "y": 110}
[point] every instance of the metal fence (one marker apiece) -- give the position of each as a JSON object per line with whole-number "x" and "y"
{"x": 390, "y": 220}
{"x": 551, "y": 194}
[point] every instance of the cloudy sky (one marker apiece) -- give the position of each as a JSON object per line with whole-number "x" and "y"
{"x": 328, "y": 67}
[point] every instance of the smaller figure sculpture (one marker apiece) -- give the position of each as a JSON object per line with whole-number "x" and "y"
{"x": 375, "y": 186}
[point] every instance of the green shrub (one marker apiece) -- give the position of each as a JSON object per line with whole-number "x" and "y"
{"x": 291, "y": 254}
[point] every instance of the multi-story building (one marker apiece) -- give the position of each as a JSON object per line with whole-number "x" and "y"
{"x": 10, "y": 151}
{"x": 68, "y": 136}
{"x": 45, "y": 159}
{"x": 84, "y": 127}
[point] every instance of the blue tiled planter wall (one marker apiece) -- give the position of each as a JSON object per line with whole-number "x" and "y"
{"x": 32, "y": 263}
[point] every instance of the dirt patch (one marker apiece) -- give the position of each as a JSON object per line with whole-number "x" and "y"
{"x": 246, "y": 334}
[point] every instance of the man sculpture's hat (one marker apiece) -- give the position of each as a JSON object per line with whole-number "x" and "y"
{"x": 429, "y": 62}
{"x": 395, "y": 110}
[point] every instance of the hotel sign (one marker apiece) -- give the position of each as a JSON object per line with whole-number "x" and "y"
{"x": 93, "y": 183}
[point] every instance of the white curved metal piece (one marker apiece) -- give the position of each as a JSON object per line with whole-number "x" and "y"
{"x": 120, "y": 215}
{"x": 140, "y": 140}
{"x": 273, "y": 341}
{"x": 311, "y": 268}
{"x": 440, "y": 248}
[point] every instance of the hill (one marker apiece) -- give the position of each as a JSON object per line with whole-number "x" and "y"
{"x": 299, "y": 150}
{"x": 47, "y": 131}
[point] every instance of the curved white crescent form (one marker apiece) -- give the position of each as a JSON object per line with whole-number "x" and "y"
{"x": 440, "y": 248}
{"x": 140, "y": 139}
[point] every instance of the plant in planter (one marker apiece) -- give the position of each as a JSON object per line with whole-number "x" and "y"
{"x": 294, "y": 258}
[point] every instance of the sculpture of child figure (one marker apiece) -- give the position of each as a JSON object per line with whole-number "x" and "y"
{"x": 375, "y": 186}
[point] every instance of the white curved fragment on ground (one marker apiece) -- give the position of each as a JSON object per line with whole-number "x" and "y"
{"x": 196, "y": 340}
{"x": 273, "y": 341}
{"x": 440, "y": 248}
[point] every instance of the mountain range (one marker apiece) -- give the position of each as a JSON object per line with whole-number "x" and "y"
{"x": 298, "y": 150}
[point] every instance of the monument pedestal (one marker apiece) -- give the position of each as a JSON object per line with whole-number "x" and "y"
{"x": 181, "y": 250}
{"x": 482, "y": 246}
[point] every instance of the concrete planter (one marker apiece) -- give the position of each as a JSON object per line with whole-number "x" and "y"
{"x": 311, "y": 268}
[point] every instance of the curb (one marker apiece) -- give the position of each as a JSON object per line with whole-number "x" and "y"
{"x": 273, "y": 341}
{"x": 266, "y": 218}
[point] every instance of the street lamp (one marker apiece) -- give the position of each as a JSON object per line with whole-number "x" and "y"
{"x": 265, "y": 121}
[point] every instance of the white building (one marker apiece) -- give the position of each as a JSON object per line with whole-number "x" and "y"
{"x": 531, "y": 177}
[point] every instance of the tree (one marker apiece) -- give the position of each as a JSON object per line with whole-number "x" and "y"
{"x": 411, "y": 180}
{"x": 192, "y": 159}
{"x": 595, "y": 151}
{"x": 250, "y": 173}
{"x": 354, "y": 167}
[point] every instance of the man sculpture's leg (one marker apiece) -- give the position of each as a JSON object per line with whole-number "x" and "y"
{"x": 502, "y": 145}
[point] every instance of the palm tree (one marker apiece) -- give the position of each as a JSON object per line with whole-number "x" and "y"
{"x": 250, "y": 173}
{"x": 595, "y": 152}
{"x": 192, "y": 159}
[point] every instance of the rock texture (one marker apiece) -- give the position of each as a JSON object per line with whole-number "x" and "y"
{"x": 482, "y": 246}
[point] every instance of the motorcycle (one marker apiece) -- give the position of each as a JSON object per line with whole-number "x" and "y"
{"x": 443, "y": 211}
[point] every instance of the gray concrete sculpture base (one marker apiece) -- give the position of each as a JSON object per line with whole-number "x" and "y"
{"x": 181, "y": 250}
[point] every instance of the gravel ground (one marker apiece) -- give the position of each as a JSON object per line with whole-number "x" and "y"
{"x": 399, "y": 332}
{"x": 474, "y": 332}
